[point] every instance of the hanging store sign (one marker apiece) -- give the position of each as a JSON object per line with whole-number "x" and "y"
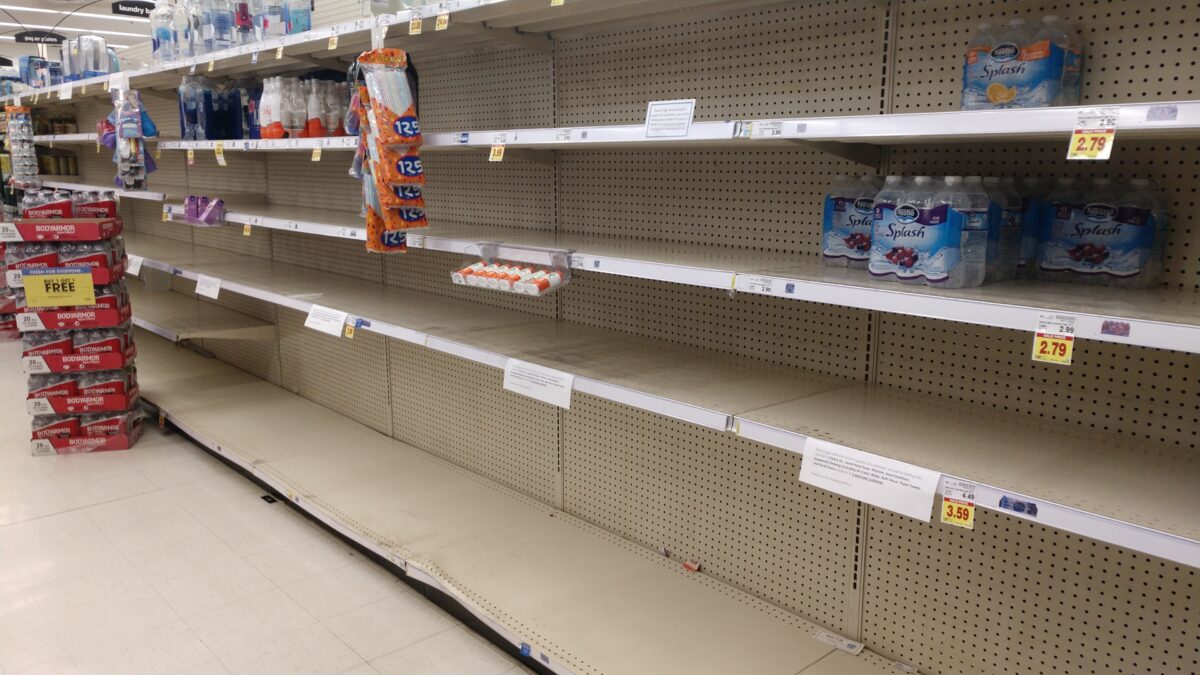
{"x": 39, "y": 37}
{"x": 133, "y": 8}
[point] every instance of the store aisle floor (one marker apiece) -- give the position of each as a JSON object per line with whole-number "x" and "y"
{"x": 163, "y": 560}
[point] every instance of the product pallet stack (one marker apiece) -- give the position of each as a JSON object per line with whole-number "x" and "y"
{"x": 73, "y": 313}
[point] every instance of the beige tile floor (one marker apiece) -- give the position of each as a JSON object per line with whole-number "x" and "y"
{"x": 163, "y": 560}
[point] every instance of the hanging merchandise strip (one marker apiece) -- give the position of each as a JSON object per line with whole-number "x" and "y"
{"x": 387, "y": 161}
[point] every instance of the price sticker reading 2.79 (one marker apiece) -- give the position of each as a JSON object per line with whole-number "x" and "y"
{"x": 958, "y": 503}
{"x": 59, "y": 287}
{"x": 1095, "y": 134}
{"x": 1055, "y": 339}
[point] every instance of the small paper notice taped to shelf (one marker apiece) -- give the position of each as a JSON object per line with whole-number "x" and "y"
{"x": 133, "y": 264}
{"x": 839, "y": 642}
{"x": 326, "y": 320}
{"x": 889, "y": 484}
{"x": 669, "y": 119}
{"x": 545, "y": 384}
{"x": 209, "y": 287}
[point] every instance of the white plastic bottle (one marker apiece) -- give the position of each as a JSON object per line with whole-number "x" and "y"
{"x": 1055, "y": 33}
{"x": 1005, "y": 218}
{"x": 975, "y": 230}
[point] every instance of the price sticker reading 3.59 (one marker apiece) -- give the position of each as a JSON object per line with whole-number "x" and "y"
{"x": 1095, "y": 134}
{"x": 958, "y": 503}
{"x": 1055, "y": 339}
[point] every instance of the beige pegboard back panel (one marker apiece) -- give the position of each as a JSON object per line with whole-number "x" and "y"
{"x": 1152, "y": 395}
{"x": 475, "y": 423}
{"x": 733, "y": 505}
{"x": 466, "y": 187}
{"x": 816, "y": 337}
{"x": 1013, "y": 597}
{"x": 819, "y": 57}
{"x": 342, "y": 256}
{"x": 498, "y": 88}
{"x": 231, "y": 238}
{"x": 1173, "y": 164}
{"x": 743, "y": 199}
{"x": 257, "y": 357}
{"x": 1133, "y": 50}
{"x": 245, "y": 173}
{"x": 329, "y": 12}
{"x": 347, "y": 376}
{"x": 296, "y": 180}
{"x": 429, "y": 272}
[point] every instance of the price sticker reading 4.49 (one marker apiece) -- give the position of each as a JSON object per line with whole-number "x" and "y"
{"x": 1095, "y": 134}
{"x": 1055, "y": 339}
{"x": 59, "y": 287}
{"x": 958, "y": 503}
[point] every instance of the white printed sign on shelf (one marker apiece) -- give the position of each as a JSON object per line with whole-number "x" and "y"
{"x": 326, "y": 320}
{"x": 544, "y": 384}
{"x": 669, "y": 119}
{"x": 133, "y": 264}
{"x": 839, "y": 642}
{"x": 889, "y": 484}
{"x": 209, "y": 287}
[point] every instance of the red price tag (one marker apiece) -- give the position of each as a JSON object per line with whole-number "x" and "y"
{"x": 1095, "y": 134}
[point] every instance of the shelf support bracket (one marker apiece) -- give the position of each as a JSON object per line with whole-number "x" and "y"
{"x": 538, "y": 43}
{"x": 861, "y": 153}
{"x": 545, "y": 157}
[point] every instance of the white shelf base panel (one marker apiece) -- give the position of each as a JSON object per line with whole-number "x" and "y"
{"x": 582, "y": 599}
{"x": 1121, "y": 491}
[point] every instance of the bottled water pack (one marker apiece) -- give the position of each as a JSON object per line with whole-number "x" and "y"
{"x": 1016, "y": 65}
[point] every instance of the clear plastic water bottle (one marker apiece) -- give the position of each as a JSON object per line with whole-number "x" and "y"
{"x": 164, "y": 39}
{"x": 1056, "y": 33}
{"x": 1005, "y": 219}
{"x": 971, "y": 202}
{"x": 223, "y": 23}
{"x": 299, "y": 16}
{"x": 1062, "y": 199}
{"x": 979, "y": 45}
{"x": 268, "y": 18}
{"x": 1141, "y": 195}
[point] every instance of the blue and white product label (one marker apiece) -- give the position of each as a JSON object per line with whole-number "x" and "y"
{"x": 1004, "y": 231}
{"x": 1008, "y": 75}
{"x": 1031, "y": 229}
{"x": 847, "y": 227}
{"x": 913, "y": 243}
{"x": 1096, "y": 238}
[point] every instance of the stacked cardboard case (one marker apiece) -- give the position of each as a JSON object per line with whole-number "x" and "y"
{"x": 82, "y": 391}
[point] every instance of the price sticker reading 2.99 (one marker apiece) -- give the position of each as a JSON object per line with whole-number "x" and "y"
{"x": 1055, "y": 339}
{"x": 1094, "y": 135}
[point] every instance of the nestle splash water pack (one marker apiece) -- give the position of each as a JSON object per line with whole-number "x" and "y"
{"x": 917, "y": 234}
{"x": 846, "y": 227}
{"x": 1101, "y": 236}
{"x": 1016, "y": 66}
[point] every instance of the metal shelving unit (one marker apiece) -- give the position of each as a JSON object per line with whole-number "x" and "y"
{"x": 178, "y": 318}
{"x": 708, "y": 345}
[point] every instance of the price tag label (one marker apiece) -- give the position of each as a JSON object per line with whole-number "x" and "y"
{"x": 192, "y": 70}
{"x": 958, "y": 503}
{"x": 556, "y": 3}
{"x": 66, "y": 91}
{"x": 191, "y": 155}
{"x": 36, "y": 95}
{"x": 349, "y": 332}
{"x": 166, "y": 213}
{"x": 211, "y": 65}
{"x": 414, "y": 25}
{"x": 316, "y": 154}
{"x": 254, "y": 57}
{"x": 1095, "y": 134}
{"x": 58, "y": 287}
{"x": 443, "y": 20}
{"x": 1055, "y": 339}
{"x": 157, "y": 151}
{"x": 83, "y": 90}
{"x": 133, "y": 264}
{"x": 246, "y": 230}
{"x": 97, "y": 145}
{"x": 497, "y": 153}
{"x": 333, "y": 45}
{"x": 766, "y": 129}
{"x": 209, "y": 287}
{"x": 279, "y": 52}
{"x": 219, "y": 152}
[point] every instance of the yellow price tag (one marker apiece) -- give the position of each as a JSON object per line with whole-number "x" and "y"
{"x": 279, "y": 52}
{"x": 97, "y": 146}
{"x": 157, "y": 151}
{"x": 332, "y": 42}
{"x": 162, "y": 421}
{"x": 443, "y": 21}
{"x": 36, "y": 96}
{"x": 219, "y": 152}
{"x": 1094, "y": 135}
{"x": 83, "y": 90}
{"x": 414, "y": 25}
{"x": 958, "y": 502}
{"x": 246, "y": 230}
{"x": 59, "y": 287}
{"x": 497, "y": 153}
{"x": 316, "y": 155}
{"x": 191, "y": 156}
{"x": 556, "y": 3}
{"x": 1054, "y": 340}
{"x": 52, "y": 143}
{"x": 349, "y": 331}
{"x": 166, "y": 213}
{"x": 211, "y": 65}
